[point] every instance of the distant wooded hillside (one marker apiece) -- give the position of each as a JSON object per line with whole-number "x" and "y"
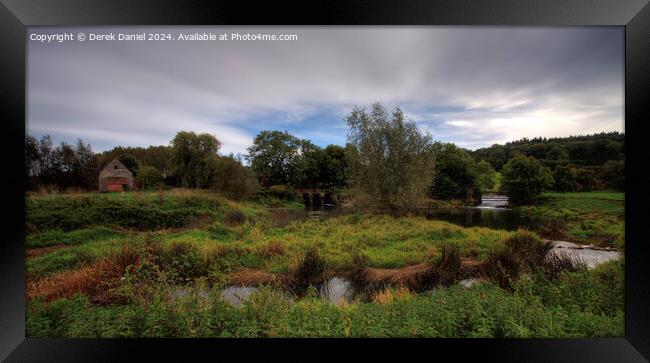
{"x": 590, "y": 150}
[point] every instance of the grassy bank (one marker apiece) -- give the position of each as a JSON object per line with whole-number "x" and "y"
{"x": 101, "y": 270}
{"x": 585, "y": 217}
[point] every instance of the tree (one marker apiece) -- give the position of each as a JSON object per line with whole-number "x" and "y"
{"x": 323, "y": 168}
{"x": 130, "y": 162}
{"x": 455, "y": 173}
{"x": 276, "y": 156}
{"x": 194, "y": 158}
{"x": 557, "y": 153}
{"x": 150, "y": 177}
{"x": 564, "y": 178}
{"x": 160, "y": 157}
{"x": 523, "y": 178}
{"x": 233, "y": 179}
{"x": 614, "y": 174}
{"x": 65, "y": 166}
{"x": 585, "y": 180}
{"x": 334, "y": 168}
{"x": 485, "y": 176}
{"x": 392, "y": 164}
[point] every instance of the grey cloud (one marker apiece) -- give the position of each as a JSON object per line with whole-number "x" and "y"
{"x": 141, "y": 93}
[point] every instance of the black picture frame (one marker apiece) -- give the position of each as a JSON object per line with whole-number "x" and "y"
{"x": 16, "y": 15}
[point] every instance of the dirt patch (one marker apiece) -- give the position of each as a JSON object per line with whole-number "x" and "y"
{"x": 35, "y": 252}
{"x": 252, "y": 277}
{"x": 409, "y": 276}
{"x": 93, "y": 280}
{"x": 64, "y": 285}
{"x": 412, "y": 277}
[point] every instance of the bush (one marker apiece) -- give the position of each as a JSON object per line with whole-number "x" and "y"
{"x": 448, "y": 269}
{"x": 310, "y": 271}
{"x": 524, "y": 252}
{"x": 586, "y": 180}
{"x": 523, "y": 178}
{"x": 528, "y": 248}
{"x": 150, "y": 177}
{"x": 182, "y": 260}
{"x": 556, "y": 263}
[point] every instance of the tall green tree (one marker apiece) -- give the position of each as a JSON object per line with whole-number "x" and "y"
{"x": 194, "y": 158}
{"x": 485, "y": 176}
{"x": 523, "y": 178}
{"x": 455, "y": 176}
{"x": 64, "y": 166}
{"x": 334, "y": 167}
{"x": 392, "y": 164}
{"x": 277, "y": 157}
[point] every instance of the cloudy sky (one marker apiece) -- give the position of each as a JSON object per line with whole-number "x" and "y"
{"x": 474, "y": 86}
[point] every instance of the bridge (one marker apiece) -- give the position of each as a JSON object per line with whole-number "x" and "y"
{"x": 317, "y": 197}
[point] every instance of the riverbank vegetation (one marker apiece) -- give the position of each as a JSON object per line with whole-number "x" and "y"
{"x": 586, "y": 217}
{"x": 582, "y": 304}
{"x": 113, "y": 278}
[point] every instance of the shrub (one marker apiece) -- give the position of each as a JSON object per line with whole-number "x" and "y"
{"x": 448, "y": 269}
{"x": 502, "y": 268}
{"x": 182, "y": 260}
{"x": 359, "y": 260}
{"x": 528, "y": 248}
{"x": 150, "y": 177}
{"x": 524, "y": 252}
{"x": 557, "y": 262}
{"x": 310, "y": 271}
{"x": 554, "y": 229}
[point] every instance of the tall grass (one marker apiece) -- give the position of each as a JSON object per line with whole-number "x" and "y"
{"x": 583, "y": 304}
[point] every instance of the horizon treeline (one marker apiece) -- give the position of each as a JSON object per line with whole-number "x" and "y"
{"x": 580, "y": 163}
{"x": 280, "y": 163}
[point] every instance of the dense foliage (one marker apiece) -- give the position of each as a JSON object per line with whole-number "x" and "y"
{"x": 596, "y": 160}
{"x": 456, "y": 174}
{"x": 523, "y": 178}
{"x": 391, "y": 163}
{"x": 194, "y": 158}
{"x": 388, "y": 162}
{"x": 64, "y": 166}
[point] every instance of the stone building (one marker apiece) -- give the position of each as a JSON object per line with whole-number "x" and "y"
{"x": 115, "y": 177}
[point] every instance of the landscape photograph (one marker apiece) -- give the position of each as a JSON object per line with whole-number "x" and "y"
{"x": 334, "y": 182}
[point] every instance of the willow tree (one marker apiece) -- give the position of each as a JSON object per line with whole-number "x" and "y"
{"x": 391, "y": 164}
{"x": 194, "y": 158}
